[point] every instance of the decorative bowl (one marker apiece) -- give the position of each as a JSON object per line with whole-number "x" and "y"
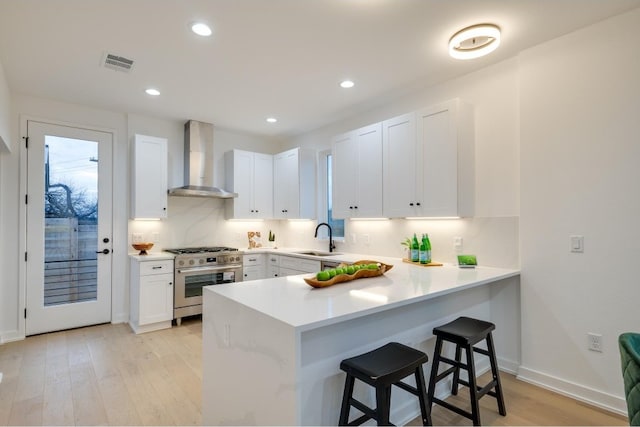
{"x": 142, "y": 247}
{"x": 339, "y": 278}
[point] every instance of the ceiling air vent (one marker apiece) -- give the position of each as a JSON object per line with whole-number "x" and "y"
{"x": 118, "y": 63}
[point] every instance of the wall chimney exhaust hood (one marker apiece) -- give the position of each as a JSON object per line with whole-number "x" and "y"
{"x": 198, "y": 163}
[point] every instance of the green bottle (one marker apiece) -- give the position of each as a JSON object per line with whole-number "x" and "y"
{"x": 423, "y": 250}
{"x": 427, "y": 245}
{"x": 415, "y": 249}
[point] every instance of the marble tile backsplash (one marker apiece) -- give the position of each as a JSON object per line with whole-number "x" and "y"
{"x": 201, "y": 222}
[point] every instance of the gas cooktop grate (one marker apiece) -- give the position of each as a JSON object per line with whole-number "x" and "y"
{"x": 201, "y": 250}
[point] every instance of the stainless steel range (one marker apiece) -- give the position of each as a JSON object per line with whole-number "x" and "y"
{"x": 198, "y": 267}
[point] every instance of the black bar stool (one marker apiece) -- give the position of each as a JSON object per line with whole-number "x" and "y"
{"x": 464, "y": 332}
{"x": 382, "y": 368}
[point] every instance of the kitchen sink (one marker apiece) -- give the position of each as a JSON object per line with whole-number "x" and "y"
{"x": 317, "y": 253}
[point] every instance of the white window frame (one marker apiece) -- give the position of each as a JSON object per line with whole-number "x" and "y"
{"x": 323, "y": 233}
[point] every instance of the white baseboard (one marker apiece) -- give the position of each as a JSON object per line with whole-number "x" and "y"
{"x": 579, "y": 392}
{"x": 119, "y": 318}
{"x": 10, "y": 336}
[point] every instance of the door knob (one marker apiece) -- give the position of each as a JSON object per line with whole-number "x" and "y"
{"x": 104, "y": 251}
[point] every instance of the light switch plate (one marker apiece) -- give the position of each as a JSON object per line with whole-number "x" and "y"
{"x": 577, "y": 244}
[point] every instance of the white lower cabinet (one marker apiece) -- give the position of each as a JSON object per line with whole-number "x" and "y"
{"x": 253, "y": 267}
{"x": 273, "y": 266}
{"x": 151, "y": 295}
{"x": 290, "y": 265}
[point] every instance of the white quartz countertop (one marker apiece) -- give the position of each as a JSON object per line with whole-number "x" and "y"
{"x": 290, "y": 300}
{"x": 152, "y": 256}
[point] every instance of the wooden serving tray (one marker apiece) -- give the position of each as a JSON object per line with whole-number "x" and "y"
{"x": 431, "y": 264}
{"x": 339, "y": 278}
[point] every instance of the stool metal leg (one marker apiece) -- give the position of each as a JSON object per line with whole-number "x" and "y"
{"x": 346, "y": 406}
{"x": 422, "y": 393}
{"x": 473, "y": 388}
{"x": 456, "y": 373}
{"x": 434, "y": 373}
{"x": 496, "y": 375}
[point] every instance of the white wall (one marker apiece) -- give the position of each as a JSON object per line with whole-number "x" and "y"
{"x": 580, "y": 99}
{"x": 5, "y": 139}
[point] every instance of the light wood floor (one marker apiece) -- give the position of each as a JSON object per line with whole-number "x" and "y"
{"x": 106, "y": 375}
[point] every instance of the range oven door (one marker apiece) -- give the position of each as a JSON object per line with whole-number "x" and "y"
{"x": 190, "y": 281}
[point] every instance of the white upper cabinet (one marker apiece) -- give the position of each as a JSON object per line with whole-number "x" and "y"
{"x": 400, "y": 149}
{"x": 294, "y": 184}
{"x": 429, "y": 163}
{"x": 149, "y": 177}
{"x": 357, "y": 181}
{"x": 251, "y": 176}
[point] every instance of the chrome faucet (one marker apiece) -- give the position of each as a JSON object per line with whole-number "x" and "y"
{"x": 331, "y": 245}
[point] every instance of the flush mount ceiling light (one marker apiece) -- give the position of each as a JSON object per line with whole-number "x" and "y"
{"x": 271, "y": 119}
{"x": 152, "y": 92}
{"x": 475, "y": 41}
{"x": 201, "y": 29}
{"x": 346, "y": 84}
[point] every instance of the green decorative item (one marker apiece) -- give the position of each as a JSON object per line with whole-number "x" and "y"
{"x": 468, "y": 261}
{"x": 629, "y": 344}
{"x": 272, "y": 240}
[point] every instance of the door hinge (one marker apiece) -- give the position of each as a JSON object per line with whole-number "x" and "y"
{"x": 25, "y": 256}
{"x": 25, "y": 313}
{"x": 26, "y": 199}
{"x": 26, "y": 141}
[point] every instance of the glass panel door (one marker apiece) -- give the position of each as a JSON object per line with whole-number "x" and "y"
{"x": 68, "y": 227}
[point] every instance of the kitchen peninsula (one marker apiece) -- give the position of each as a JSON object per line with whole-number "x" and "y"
{"x": 272, "y": 348}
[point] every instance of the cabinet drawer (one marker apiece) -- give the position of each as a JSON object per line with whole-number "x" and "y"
{"x": 300, "y": 264}
{"x": 273, "y": 260}
{"x": 156, "y": 267}
{"x": 252, "y": 259}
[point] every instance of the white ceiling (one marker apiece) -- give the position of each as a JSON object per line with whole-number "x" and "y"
{"x": 282, "y": 58}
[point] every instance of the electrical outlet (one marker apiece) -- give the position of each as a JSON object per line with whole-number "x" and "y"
{"x": 136, "y": 238}
{"x": 353, "y": 238}
{"x": 155, "y": 237}
{"x": 457, "y": 244}
{"x": 366, "y": 239}
{"x": 594, "y": 342}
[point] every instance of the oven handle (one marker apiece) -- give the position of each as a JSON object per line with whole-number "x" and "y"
{"x": 204, "y": 269}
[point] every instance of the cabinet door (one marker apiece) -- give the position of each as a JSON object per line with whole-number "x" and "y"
{"x": 252, "y": 272}
{"x": 399, "y": 166}
{"x": 156, "y": 298}
{"x": 368, "y": 191}
{"x": 262, "y": 185}
{"x": 438, "y": 174}
{"x": 149, "y": 177}
{"x": 344, "y": 175}
{"x": 242, "y": 184}
{"x": 286, "y": 189}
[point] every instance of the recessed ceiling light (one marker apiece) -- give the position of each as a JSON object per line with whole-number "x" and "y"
{"x": 475, "y": 41}
{"x": 347, "y": 84}
{"x": 201, "y": 29}
{"x": 271, "y": 119}
{"x": 152, "y": 92}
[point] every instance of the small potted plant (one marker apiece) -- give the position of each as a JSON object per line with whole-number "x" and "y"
{"x": 407, "y": 247}
{"x": 272, "y": 240}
